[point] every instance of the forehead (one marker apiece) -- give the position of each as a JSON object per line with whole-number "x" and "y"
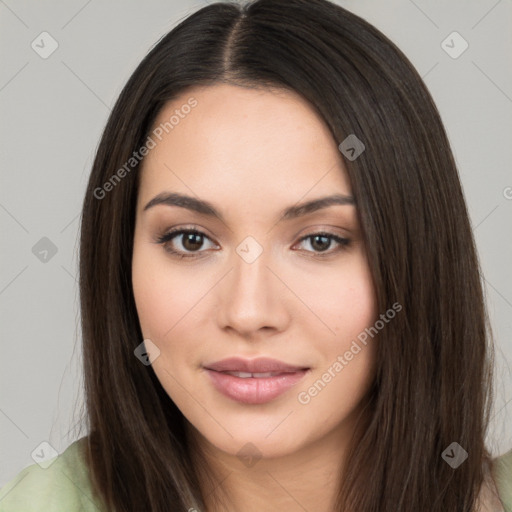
{"x": 242, "y": 143}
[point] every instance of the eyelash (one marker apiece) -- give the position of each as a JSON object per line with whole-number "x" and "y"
{"x": 167, "y": 237}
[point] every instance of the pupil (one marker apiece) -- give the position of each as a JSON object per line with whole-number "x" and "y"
{"x": 322, "y": 246}
{"x": 192, "y": 241}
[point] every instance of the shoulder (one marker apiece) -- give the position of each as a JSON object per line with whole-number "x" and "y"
{"x": 502, "y": 473}
{"x": 63, "y": 484}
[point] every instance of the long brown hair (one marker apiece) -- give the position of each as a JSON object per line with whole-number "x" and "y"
{"x": 433, "y": 380}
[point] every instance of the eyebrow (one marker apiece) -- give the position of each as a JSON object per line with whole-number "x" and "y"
{"x": 206, "y": 208}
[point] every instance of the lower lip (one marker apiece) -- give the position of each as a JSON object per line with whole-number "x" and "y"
{"x": 254, "y": 390}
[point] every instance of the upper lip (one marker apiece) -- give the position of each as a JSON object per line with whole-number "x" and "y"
{"x": 259, "y": 365}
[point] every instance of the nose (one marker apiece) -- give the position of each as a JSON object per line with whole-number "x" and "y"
{"x": 252, "y": 298}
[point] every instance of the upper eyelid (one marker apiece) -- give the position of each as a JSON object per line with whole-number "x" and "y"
{"x": 181, "y": 231}
{"x": 312, "y": 231}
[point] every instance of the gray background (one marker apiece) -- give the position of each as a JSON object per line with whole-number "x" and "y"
{"x": 53, "y": 111}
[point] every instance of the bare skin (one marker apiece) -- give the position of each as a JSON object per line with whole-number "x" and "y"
{"x": 251, "y": 154}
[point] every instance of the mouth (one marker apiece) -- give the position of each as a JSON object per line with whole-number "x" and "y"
{"x": 254, "y": 388}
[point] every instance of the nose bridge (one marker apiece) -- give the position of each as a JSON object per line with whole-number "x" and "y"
{"x": 250, "y": 280}
{"x": 251, "y": 295}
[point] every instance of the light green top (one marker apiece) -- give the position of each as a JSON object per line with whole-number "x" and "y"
{"x": 502, "y": 471}
{"x": 64, "y": 485}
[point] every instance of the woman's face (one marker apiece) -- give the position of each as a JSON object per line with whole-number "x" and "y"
{"x": 251, "y": 285}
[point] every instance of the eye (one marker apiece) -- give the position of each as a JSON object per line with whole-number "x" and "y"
{"x": 322, "y": 241}
{"x": 191, "y": 240}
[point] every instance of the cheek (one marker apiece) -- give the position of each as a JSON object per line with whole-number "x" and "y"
{"x": 356, "y": 305}
{"x": 162, "y": 295}
{"x": 343, "y": 300}
{"x": 346, "y": 364}
{"x": 156, "y": 307}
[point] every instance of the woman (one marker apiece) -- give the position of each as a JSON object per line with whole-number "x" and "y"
{"x": 280, "y": 292}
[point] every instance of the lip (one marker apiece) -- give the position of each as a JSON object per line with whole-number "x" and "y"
{"x": 258, "y": 365}
{"x": 254, "y": 390}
